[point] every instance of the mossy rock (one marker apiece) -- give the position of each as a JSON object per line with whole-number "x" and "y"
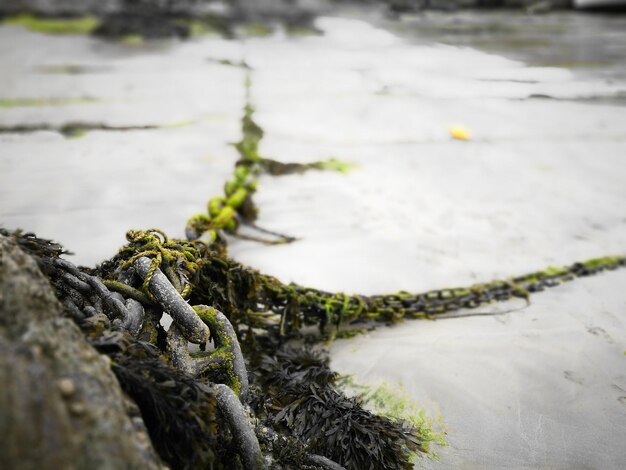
{"x": 60, "y": 404}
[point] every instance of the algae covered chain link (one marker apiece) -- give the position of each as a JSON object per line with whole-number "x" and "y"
{"x": 86, "y": 296}
{"x": 192, "y": 327}
{"x": 225, "y": 213}
{"x": 226, "y": 353}
{"x": 331, "y": 310}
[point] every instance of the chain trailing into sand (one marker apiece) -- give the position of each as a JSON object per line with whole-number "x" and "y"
{"x": 236, "y": 207}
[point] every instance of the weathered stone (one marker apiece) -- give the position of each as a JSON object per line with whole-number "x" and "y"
{"x": 60, "y": 404}
{"x": 26, "y": 296}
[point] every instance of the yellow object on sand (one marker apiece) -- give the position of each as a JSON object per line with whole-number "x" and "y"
{"x": 459, "y": 132}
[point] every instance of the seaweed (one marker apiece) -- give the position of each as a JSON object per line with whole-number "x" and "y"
{"x": 395, "y": 403}
{"x": 290, "y": 367}
{"x": 342, "y": 429}
{"x": 305, "y": 403}
{"x": 180, "y": 417}
{"x": 73, "y": 130}
{"x": 38, "y": 247}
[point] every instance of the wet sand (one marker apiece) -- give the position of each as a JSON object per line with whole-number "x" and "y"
{"x": 540, "y": 183}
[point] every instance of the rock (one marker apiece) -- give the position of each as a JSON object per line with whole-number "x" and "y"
{"x": 26, "y": 296}
{"x": 60, "y": 404}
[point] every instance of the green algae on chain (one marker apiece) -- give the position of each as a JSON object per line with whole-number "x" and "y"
{"x": 179, "y": 260}
{"x": 255, "y": 29}
{"x": 249, "y": 298}
{"x": 224, "y": 340}
{"x": 331, "y": 310}
{"x": 226, "y": 213}
{"x": 102, "y": 316}
{"x": 296, "y": 306}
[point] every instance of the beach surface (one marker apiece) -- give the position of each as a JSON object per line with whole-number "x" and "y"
{"x": 539, "y": 183}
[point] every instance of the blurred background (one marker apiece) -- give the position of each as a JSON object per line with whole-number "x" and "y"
{"x": 484, "y": 139}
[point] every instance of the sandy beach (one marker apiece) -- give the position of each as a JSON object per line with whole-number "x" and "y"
{"x": 540, "y": 183}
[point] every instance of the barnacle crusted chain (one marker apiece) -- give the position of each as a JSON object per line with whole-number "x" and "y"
{"x": 214, "y": 299}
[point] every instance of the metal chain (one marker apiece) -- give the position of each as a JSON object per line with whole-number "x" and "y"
{"x": 301, "y": 305}
{"x": 88, "y": 300}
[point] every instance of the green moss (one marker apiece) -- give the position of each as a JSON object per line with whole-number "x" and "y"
{"x": 336, "y": 165}
{"x": 199, "y": 28}
{"x": 66, "y": 69}
{"x": 256, "y": 29}
{"x": 209, "y": 316}
{"x": 350, "y": 333}
{"x": 36, "y": 102}
{"x": 230, "y": 63}
{"x": 552, "y": 271}
{"x": 601, "y": 263}
{"x": 127, "y": 290}
{"x": 132, "y": 40}
{"x": 298, "y": 30}
{"x": 237, "y": 198}
{"x": 75, "y": 134}
{"x": 81, "y": 25}
{"x": 210, "y": 25}
{"x": 225, "y": 351}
